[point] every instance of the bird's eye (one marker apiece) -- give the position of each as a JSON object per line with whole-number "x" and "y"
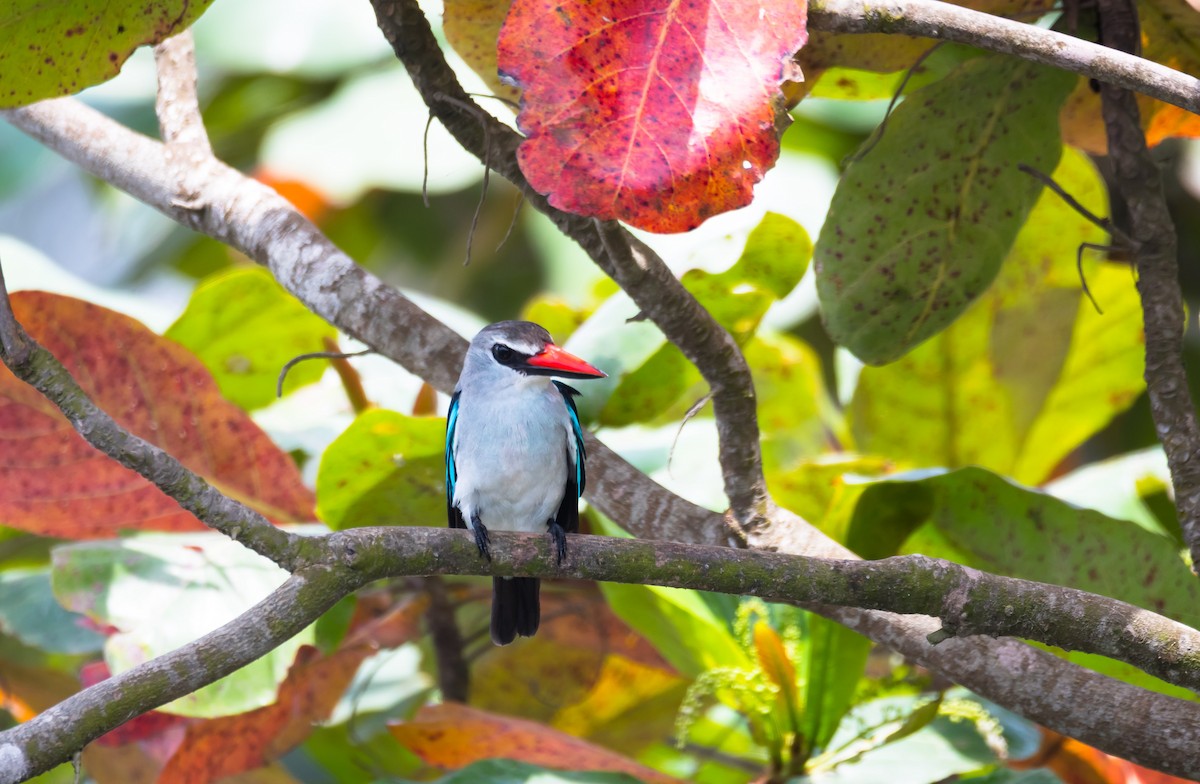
{"x": 503, "y": 353}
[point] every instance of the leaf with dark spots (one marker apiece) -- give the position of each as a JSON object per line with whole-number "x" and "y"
{"x": 950, "y": 151}
{"x": 81, "y": 43}
{"x": 656, "y": 113}
{"x": 973, "y": 395}
{"x": 56, "y": 484}
{"x": 982, "y": 520}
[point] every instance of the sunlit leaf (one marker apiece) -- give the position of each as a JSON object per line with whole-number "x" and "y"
{"x": 67, "y": 47}
{"x": 59, "y": 485}
{"x": 472, "y": 27}
{"x": 659, "y": 114}
{"x": 454, "y": 736}
{"x": 1028, "y": 372}
{"x": 385, "y": 469}
{"x": 772, "y": 262}
{"x": 818, "y": 489}
{"x": 162, "y": 591}
{"x": 919, "y": 226}
{"x": 244, "y": 327}
{"x": 897, "y": 740}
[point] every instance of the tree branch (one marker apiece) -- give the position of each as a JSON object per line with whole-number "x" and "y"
{"x": 1139, "y": 185}
{"x": 947, "y": 22}
{"x": 634, "y": 266}
{"x": 32, "y": 363}
{"x": 967, "y": 600}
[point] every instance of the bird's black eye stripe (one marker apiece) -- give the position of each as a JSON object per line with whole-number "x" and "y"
{"x": 505, "y": 355}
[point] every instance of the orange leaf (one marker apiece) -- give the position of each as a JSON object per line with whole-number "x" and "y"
{"x": 222, "y": 747}
{"x": 56, "y": 484}
{"x": 453, "y": 736}
{"x": 657, "y": 113}
{"x": 1078, "y": 763}
{"x": 1171, "y": 36}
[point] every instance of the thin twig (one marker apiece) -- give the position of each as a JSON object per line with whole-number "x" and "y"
{"x": 880, "y": 129}
{"x": 1105, "y": 224}
{"x": 1153, "y": 244}
{"x": 454, "y": 676}
{"x": 471, "y": 108}
{"x": 291, "y": 363}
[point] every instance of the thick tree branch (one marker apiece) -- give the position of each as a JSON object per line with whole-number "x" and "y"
{"x": 1139, "y": 184}
{"x": 245, "y": 214}
{"x": 970, "y": 601}
{"x": 635, "y": 267}
{"x": 947, "y": 22}
{"x": 36, "y": 366}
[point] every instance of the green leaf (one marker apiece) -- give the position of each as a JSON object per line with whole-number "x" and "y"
{"x": 162, "y": 591}
{"x": 65, "y": 47}
{"x": 919, "y": 227}
{"x": 901, "y": 740}
{"x": 1117, "y": 487}
{"x": 30, "y": 613}
{"x": 503, "y": 771}
{"x": 678, "y": 623}
{"x": 244, "y": 327}
{"x": 774, "y": 259}
{"x": 833, "y": 661}
{"x": 1027, "y": 373}
{"x": 797, "y": 417}
{"x": 982, "y": 520}
{"x": 822, "y": 490}
{"x": 385, "y": 469}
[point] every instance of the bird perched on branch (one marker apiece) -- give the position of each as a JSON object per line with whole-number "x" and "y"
{"x": 514, "y": 454}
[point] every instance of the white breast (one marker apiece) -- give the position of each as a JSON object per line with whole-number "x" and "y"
{"x": 511, "y": 453}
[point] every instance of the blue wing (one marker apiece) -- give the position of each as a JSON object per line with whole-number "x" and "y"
{"x": 568, "y": 394}
{"x": 453, "y": 516}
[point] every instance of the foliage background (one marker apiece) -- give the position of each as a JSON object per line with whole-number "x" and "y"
{"x": 309, "y": 98}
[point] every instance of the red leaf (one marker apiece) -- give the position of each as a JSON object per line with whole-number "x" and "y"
{"x": 656, "y": 112}
{"x": 453, "y": 736}
{"x": 56, "y": 484}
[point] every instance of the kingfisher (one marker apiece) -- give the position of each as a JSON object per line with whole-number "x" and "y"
{"x": 514, "y": 454}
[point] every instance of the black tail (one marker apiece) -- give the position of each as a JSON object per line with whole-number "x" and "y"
{"x": 515, "y": 608}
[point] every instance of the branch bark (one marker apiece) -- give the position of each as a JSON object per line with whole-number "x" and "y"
{"x": 947, "y": 22}
{"x": 969, "y": 601}
{"x": 1139, "y": 185}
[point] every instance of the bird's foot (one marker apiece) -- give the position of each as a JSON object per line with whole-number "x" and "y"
{"x": 481, "y": 537}
{"x": 560, "y": 540}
